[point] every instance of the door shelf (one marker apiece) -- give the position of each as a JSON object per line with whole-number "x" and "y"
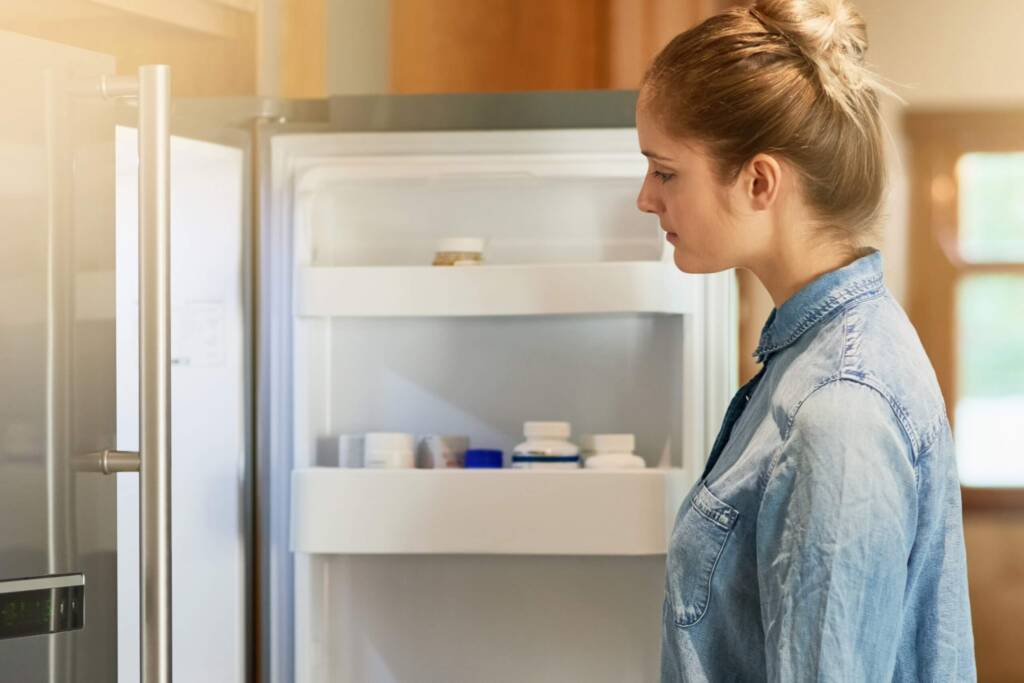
{"x": 511, "y": 512}
{"x": 494, "y": 290}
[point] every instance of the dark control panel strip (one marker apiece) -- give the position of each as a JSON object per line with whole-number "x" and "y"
{"x": 41, "y": 605}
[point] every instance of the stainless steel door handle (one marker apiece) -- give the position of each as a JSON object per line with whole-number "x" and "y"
{"x": 107, "y": 462}
{"x": 155, "y": 369}
{"x": 152, "y": 89}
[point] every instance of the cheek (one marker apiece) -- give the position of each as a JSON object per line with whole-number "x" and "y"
{"x": 707, "y": 232}
{"x": 692, "y": 211}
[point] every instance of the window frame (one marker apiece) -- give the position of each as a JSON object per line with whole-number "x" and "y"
{"x": 937, "y": 139}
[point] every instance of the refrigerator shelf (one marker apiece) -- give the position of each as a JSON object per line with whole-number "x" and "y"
{"x": 494, "y": 290}
{"x": 510, "y": 512}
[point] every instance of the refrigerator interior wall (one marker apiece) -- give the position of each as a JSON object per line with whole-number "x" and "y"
{"x": 56, "y": 348}
{"x": 547, "y": 199}
{"x": 531, "y": 208}
{"x": 484, "y": 377}
{"x": 209, "y": 444}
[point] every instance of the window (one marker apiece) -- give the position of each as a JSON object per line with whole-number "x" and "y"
{"x": 966, "y": 288}
{"x": 991, "y": 215}
{"x": 989, "y": 412}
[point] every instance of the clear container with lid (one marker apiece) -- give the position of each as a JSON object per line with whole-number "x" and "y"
{"x": 611, "y": 451}
{"x": 442, "y": 451}
{"x": 547, "y": 446}
{"x": 389, "y": 450}
{"x": 460, "y": 251}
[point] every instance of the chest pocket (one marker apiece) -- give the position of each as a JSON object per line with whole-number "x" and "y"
{"x": 698, "y": 540}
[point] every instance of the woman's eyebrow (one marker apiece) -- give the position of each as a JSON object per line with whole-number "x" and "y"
{"x": 652, "y": 155}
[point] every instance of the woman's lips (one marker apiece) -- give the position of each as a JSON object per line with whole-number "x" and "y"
{"x": 672, "y": 237}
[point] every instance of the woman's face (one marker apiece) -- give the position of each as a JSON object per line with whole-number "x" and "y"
{"x": 692, "y": 206}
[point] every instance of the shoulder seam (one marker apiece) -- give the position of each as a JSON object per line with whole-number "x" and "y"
{"x": 901, "y": 418}
{"x": 901, "y": 415}
{"x": 770, "y": 470}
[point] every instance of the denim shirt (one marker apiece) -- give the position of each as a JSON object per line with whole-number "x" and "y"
{"x": 825, "y": 540}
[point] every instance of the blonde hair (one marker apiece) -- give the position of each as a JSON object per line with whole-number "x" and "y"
{"x": 784, "y": 77}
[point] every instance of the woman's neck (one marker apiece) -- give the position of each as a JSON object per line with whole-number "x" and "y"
{"x": 791, "y": 267}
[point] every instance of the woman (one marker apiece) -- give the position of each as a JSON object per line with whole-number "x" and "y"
{"x": 825, "y": 539}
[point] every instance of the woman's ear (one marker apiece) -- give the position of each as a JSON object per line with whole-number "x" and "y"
{"x": 762, "y": 178}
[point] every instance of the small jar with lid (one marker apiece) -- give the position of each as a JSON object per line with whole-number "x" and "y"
{"x": 611, "y": 452}
{"x": 460, "y": 251}
{"x": 389, "y": 450}
{"x": 547, "y": 446}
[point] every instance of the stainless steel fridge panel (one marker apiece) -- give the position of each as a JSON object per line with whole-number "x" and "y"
{"x": 485, "y": 111}
{"x": 56, "y": 348}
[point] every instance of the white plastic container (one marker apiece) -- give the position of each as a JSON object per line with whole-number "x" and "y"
{"x": 350, "y": 450}
{"x": 547, "y": 446}
{"x": 611, "y": 452}
{"x": 389, "y": 450}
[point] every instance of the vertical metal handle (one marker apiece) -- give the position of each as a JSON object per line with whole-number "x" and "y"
{"x": 60, "y": 493}
{"x": 155, "y": 371}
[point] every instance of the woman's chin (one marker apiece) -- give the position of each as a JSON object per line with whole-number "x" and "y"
{"x": 687, "y": 262}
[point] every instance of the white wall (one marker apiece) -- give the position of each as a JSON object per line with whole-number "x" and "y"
{"x": 358, "y": 47}
{"x": 268, "y": 53}
{"x": 939, "y": 54}
{"x": 357, "y": 51}
{"x": 948, "y": 52}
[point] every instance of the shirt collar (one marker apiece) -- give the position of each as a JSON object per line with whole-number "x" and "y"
{"x": 817, "y": 300}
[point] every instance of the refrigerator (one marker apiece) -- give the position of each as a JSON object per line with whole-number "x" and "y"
{"x": 303, "y": 307}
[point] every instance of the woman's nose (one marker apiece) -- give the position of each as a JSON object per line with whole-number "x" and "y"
{"x": 645, "y": 201}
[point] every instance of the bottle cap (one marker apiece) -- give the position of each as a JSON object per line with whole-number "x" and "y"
{"x": 473, "y": 245}
{"x": 608, "y": 443}
{"x": 483, "y": 457}
{"x": 547, "y": 430}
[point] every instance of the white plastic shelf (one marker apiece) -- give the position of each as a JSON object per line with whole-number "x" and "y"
{"x": 489, "y": 290}
{"x": 514, "y": 512}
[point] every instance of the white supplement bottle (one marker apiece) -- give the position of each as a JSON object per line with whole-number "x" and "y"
{"x": 547, "y": 446}
{"x": 611, "y": 452}
{"x": 389, "y": 450}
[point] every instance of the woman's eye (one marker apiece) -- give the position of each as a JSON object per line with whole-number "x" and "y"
{"x": 663, "y": 177}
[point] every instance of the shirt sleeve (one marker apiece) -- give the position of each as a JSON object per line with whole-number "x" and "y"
{"x": 834, "y": 534}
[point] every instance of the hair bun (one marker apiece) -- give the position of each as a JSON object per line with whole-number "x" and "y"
{"x": 822, "y": 28}
{"x": 831, "y": 34}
